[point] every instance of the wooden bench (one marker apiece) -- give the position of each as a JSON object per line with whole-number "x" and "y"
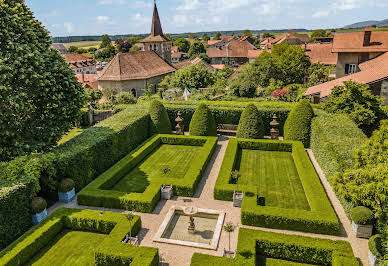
{"x": 227, "y": 129}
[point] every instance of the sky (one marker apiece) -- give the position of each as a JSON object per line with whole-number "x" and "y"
{"x": 96, "y": 17}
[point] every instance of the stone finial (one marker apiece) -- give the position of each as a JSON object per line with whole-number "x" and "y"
{"x": 179, "y": 128}
{"x": 274, "y": 128}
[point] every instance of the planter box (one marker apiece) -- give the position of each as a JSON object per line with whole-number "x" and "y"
{"x": 362, "y": 231}
{"x": 229, "y": 253}
{"x": 66, "y": 196}
{"x": 166, "y": 192}
{"x": 237, "y": 199}
{"x": 373, "y": 260}
{"x": 37, "y": 218}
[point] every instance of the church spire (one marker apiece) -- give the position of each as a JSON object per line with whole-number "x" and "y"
{"x": 156, "y": 27}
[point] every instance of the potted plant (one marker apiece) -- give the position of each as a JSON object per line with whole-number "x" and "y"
{"x": 375, "y": 250}
{"x": 229, "y": 228}
{"x": 166, "y": 190}
{"x": 237, "y": 196}
{"x": 66, "y": 190}
{"x": 128, "y": 238}
{"x": 362, "y": 221}
{"x": 38, "y": 208}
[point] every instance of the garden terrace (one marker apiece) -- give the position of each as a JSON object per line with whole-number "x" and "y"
{"x": 257, "y": 247}
{"x": 134, "y": 182}
{"x": 282, "y": 189}
{"x": 80, "y": 237}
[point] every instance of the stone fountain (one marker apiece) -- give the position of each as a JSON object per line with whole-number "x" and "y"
{"x": 191, "y": 211}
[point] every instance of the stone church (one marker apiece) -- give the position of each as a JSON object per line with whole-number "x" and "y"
{"x": 135, "y": 71}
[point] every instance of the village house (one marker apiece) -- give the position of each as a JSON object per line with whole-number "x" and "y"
{"x": 88, "y": 80}
{"x": 291, "y": 38}
{"x": 80, "y": 63}
{"x": 321, "y": 53}
{"x": 195, "y": 61}
{"x": 136, "y": 71}
{"x": 234, "y": 54}
{"x": 177, "y": 56}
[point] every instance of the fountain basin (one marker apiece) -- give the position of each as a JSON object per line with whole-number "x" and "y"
{"x": 208, "y": 227}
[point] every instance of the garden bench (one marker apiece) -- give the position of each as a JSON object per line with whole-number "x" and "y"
{"x": 227, "y": 129}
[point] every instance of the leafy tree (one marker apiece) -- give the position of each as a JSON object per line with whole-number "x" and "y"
{"x": 268, "y": 35}
{"x": 194, "y": 76}
{"x": 193, "y": 36}
{"x": 257, "y": 44}
{"x": 134, "y": 48}
{"x": 183, "y": 45}
{"x": 218, "y": 36}
{"x": 168, "y": 36}
{"x": 122, "y": 46}
{"x": 229, "y": 228}
{"x": 105, "y": 41}
{"x": 358, "y": 102}
{"x": 266, "y": 67}
{"x": 247, "y": 81}
{"x": 203, "y": 123}
{"x": 318, "y": 33}
{"x": 133, "y": 40}
{"x": 196, "y": 48}
{"x": 72, "y": 49}
{"x": 204, "y": 57}
{"x": 82, "y": 51}
{"x": 247, "y": 33}
{"x": 273, "y": 85}
{"x": 160, "y": 122}
{"x": 40, "y": 96}
{"x": 93, "y": 94}
{"x": 107, "y": 53}
{"x": 318, "y": 73}
{"x": 205, "y": 37}
{"x": 251, "y": 124}
{"x": 92, "y": 50}
{"x": 126, "y": 98}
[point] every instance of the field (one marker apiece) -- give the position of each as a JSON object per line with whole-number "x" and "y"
{"x": 85, "y": 45}
{"x": 70, "y": 248}
{"x": 175, "y": 157}
{"x": 274, "y": 175}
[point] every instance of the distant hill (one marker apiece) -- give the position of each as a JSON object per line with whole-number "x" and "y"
{"x": 369, "y": 23}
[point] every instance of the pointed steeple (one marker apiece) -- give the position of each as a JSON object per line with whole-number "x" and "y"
{"x": 156, "y": 27}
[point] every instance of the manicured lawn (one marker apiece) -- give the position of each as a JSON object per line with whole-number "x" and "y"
{"x": 176, "y": 157}
{"x": 275, "y": 176}
{"x": 69, "y": 248}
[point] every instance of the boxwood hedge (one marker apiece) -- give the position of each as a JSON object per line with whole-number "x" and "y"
{"x": 321, "y": 219}
{"x": 203, "y": 123}
{"x": 98, "y": 193}
{"x": 284, "y": 249}
{"x": 110, "y": 250}
{"x": 250, "y": 125}
{"x": 160, "y": 123}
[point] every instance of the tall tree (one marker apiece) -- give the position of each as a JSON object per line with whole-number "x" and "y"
{"x": 247, "y": 33}
{"x": 122, "y": 46}
{"x": 105, "y": 41}
{"x": 218, "y": 36}
{"x": 205, "y": 37}
{"x": 40, "y": 98}
{"x": 196, "y": 48}
{"x": 183, "y": 45}
{"x": 268, "y": 35}
{"x": 317, "y": 34}
{"x": 193, "y": 36}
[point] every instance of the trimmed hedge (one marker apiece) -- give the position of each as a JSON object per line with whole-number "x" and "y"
{"x": 110, "y": 249}
{"x": 99, "y": 194}
{"x": 362, "y": 215}
{"x": 251, "y": 124}
{"x": 160, "y": 123}
{"x": 203, "y": 123}
{"x": 375, "y": 245}
{"x": 298, "y": 123}
{"x": 286, "y": 249}
{"x": 321, "y": 219}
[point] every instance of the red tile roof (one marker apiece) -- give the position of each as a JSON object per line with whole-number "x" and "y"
{"x": 88, "y": 80}
{"x": 135, "y": 65}
{"x": 377, "y": 62}
{"x": 354, "y": 42}
{"x": 192, "y": 62}
{"x": 232, "y": 49}
{"x": 296, "y": 37}
{"x": 78, "y": 60}
{"x": 174, "y": 49}
{"x": 253, "y": 54}
{"x": 211, "y": 42}
{"x": 374, "y": 72}
{"x": 321, "y": 53}
{"x": 177, "y": 54}
{"x": 219, "y": 67}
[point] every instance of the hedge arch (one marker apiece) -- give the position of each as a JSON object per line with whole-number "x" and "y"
{"x": 251, "y": 124}
{"x": 203, "y": 122}
{"x": 160, "y": 123}
{"x": 298, "y": 123}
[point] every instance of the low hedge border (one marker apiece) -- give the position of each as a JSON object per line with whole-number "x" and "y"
{"x": 287, "y": 249}
{"x": 110, "y": 249}
{"x": 98, "y": 194}
{"x": 321, "y": 219}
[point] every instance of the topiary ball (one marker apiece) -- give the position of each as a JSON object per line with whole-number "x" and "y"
{"x": 251, "y": 124}
{"x": 376, "y": 245}
{"x": 362, "y": 215}
{"x": 160, "y": 122}
{"x": 66, "y": 185}
{"x": 203, "y": 122}
{"x": 298, "y": 123}
{"x": 38, "y": 204}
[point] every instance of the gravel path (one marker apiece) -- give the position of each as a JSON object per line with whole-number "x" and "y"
{"x": 175, "y": 255}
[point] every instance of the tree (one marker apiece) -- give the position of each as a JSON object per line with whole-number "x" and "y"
{"x": 247, "y": 81}
{"x": 183, "y": 45}
{"x": 191, "y": 77}
{"x": 160, "y": 122}
{"x": 133, "y": 40}
{"x": 203, "y": 123}
{"x": 105, "y": 41}
{"x": 134, "y": 48}
{"x": 196, "y": 48}
{"x": 205, "y": 37}
{"x": 204, "y": 57}
{"x": 317, "y": 34}
{"x": 192, "y": 36}
{"x": 218, "y": 36}
{"x": 106, "y": 54}
{"x": 251, "y": 124}
{"x": 72, "y": 49}
{"x": 247, "y": 33}
{"x": 268, "y": 35}
{"x": 168, "y": 36}
{"x": 318, "y": 73}
{"x": 229, "y": 228}
{"x": 82, "y": 51}
{"x": 358, "y": 102}
{"x": 92, "y": 50}
{"x": 40, "y": 96}
{"x": 93, "y": 94}
{"x": 122, "y": 46}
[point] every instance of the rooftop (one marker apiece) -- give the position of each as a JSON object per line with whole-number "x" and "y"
{"x": 355, "y": 42}
{"x": 321, "y": 53}
{"x": 232, "y": 49}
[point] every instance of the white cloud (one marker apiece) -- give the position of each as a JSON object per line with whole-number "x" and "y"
{"x": 320, "y": 14}
{"x": 110, "y": 2}
{"x": 142, "y": 4}
{"x": 351, "y": 4}
{"x": 69, "y": 27}
{"x": 104, "y": 20}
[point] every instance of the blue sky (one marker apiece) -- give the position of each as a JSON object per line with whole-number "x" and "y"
{"x": 95, "y": 17}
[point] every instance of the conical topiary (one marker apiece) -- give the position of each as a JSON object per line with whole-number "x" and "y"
{"x": 203, "y": 123}
{"x": 251, "y": 124}
{"x": 298, "y": 123}
{"x": 160, "y": 122}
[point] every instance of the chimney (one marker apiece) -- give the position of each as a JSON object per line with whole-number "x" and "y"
{"x": 367, "y": 34}
{"x": 83, "y": 77}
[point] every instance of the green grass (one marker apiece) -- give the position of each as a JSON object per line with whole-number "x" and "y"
{"x": 71, "y": 134}
{"x": 176, "y": 157}
{"x": 86, "y": 44}
{"x": 275, "y": 176}
{"x": 69, "y": 248}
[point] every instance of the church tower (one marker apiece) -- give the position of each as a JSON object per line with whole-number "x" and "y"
{"x": 156, "y": 41}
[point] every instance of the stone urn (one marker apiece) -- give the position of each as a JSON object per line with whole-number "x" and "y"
{"x": 166, "y": 192}
{"x": 274, "y": 128}
{"x": 179, "y": 128}
{"x": 237, "y": 198}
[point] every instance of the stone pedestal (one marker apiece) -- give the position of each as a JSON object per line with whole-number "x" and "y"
{"x": 362, "y": 231}
{"x": 38, "y": 217}
{"x": 166, "y": 192}
{"x": 66, "y": 196}
{"x": 237, "y": 199}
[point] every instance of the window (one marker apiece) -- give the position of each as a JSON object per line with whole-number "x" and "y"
{"x": 350, "y": 68}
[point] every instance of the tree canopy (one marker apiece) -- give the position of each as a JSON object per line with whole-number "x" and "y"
{"x": 268, "y": 35}
{"x": 196, "y": 48}
{"x": 247, "y": 33}
{"x": 40, "y": 98}
{"x": 183, "y": 45}
{"x": 317, "y": 34}
{"x": 218, "y": 36}
{"x": 205, "y": 37}
{"x": 190, "y": 77}
{"x": 105, "y": 41}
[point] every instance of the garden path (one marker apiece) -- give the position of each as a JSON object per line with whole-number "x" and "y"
{"x": 174, "y": 255}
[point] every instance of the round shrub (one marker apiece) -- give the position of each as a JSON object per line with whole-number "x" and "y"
{"x": 38, "y": 204}
{"x": 203, "y": 123}
{"x": 251, "y": 124}
{"x": 66, "y": 185}
{"x": 298, "y": 123}
{"x": 160, "y": 123}
{"x": 362, "y": 215}
{"x": 376, "y": 245}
